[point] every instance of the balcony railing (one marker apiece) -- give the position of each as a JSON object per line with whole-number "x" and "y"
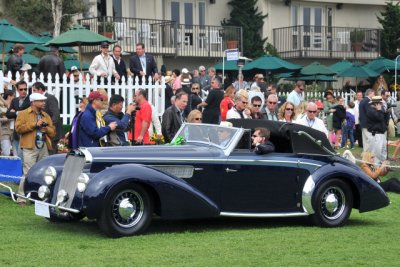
{"x": 164, "y": 36}
{"x": 327, "y": 42}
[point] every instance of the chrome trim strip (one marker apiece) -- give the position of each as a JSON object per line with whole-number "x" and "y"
{"x": 191, "y": 160}
{"x": 308, "y": 190}
{"x": 262, "y": 215}
{"x": 88, "y": 155}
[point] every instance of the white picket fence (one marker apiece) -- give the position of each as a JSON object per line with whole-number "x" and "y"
{"x": 70, "y": 91}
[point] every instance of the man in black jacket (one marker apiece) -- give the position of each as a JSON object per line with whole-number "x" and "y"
{"x": 362, "y": 111}
{"x": 53, "y": 64}
{"x": 174, "y": 116}
{"x": 18, "y": 104}
{"x": 119, "y": 63}
{"x": 377, "y": 119}
{"x": 15, "y": 61}
{"x": 143, "y": 64}
{"x": 261, "y": 141}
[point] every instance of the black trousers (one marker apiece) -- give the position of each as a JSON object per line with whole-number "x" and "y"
{"x": 358, "y": 135}
{"x": 391, "y": 185}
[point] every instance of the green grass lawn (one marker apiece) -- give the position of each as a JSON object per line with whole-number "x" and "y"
{"x": 368, "y": 239}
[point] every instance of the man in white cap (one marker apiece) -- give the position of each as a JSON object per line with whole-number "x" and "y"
{"x": 103, "y": 65}
{"x": 377, "y": 124}
{"x": 36, "y": 130}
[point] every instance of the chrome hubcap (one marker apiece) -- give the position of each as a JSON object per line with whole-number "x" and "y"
{"x": 333, "y": 203}
{"x": 127, "y": 208}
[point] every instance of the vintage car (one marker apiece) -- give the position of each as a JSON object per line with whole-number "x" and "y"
{"x": 207, "y": 171}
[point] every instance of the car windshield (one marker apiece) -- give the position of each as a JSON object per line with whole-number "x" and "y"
{"x": 216, "y": 135}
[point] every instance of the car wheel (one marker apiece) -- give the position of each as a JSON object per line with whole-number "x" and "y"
{"x": 128, "y": 211}
{"x": 332, "y": 203}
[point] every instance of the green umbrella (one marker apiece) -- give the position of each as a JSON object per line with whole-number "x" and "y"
{"x": 10, "y": 33}
{"x": 47, "y": 36}
{"x": 341, "y": 65}
{"x": 323, "y": 78}
{"x": 358, "y": 71}
{"x": 316, "y": 68}
{"x": 381, "y": 64}
{"x": 229, "y": 65}
{"x": 78, "y": 36}
{"x": 69, "y": 63}
{"x": 271, "y": 64}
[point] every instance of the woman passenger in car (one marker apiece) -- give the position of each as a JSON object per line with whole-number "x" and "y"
{"x": 375, "y": 172}
{"x": 287, "y": 112}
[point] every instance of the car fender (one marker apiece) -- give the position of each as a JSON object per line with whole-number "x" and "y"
{"x": 177, "y": 198}
{"x": 368, "y": 194}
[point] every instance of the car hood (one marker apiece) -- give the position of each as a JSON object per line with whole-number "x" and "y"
{"x": 152, "y": 152}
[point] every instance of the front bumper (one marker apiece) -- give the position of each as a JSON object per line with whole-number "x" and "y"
{"x": 57, "y": 208}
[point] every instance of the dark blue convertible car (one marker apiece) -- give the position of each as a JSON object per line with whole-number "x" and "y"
{"x": 204, "y": 174}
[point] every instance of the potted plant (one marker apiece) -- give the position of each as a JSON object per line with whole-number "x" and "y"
{"x": 357, "y": 38}
{"x": 106, "y": 28}
{"x": 231, "y": 37}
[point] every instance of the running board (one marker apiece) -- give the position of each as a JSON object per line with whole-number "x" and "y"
{"x": 263, "y": 215}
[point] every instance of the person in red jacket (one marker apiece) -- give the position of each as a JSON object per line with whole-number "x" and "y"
{"x": 227, "y": 102}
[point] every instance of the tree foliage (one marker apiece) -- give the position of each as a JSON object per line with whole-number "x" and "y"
{"x": 390, "y": 21}
{"x": 36, "y": 16}
{"x": 245, "y": 14}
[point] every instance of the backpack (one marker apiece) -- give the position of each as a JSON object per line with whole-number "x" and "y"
{"x": 350, "y": 120}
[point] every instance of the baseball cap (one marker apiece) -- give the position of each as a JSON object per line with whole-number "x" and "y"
{"x": 73, "y": 68}
{"x": 96, "y": 95}
{"x": 25, "y": 67}
{"x": 104, "y": 45}
{"x": 37, "y": 97}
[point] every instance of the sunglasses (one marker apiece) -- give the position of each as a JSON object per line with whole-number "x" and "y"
{"x": 272, "y": 103}
{"x": 195, "y": 88}
{"x": 256, "y": 106}
{"x": 289, "y": 109}
{"x": 312, "y": 111}
{"x": 23, "y": 89}
{"x": 245, "y": 103}
{"x": 198, "y": 119}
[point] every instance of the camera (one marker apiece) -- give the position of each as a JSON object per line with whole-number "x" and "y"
{"x": 45, "y": 124}
{"x": 391, "y": 105}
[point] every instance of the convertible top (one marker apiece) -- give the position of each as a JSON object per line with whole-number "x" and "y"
{"x": 286, "y": 136}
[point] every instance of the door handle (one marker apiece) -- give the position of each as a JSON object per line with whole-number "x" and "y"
{"x": 230, "y": 170}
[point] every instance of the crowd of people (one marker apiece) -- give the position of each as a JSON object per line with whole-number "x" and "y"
{"x": 31, "y": 126}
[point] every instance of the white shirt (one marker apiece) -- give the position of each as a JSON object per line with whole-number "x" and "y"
{"x": 101, "y": 64}
{"x": 295, "y": 97}
{"x": 316, "y": 124}
{"x": 234, "y": 114}
{"x": 356, "y": 112}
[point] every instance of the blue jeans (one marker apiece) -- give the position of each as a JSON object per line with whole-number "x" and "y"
{"x": 347, "y": 131}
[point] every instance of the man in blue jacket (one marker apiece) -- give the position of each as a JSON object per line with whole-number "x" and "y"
{"x": 115, "y": 114}
{"x": 92, "y": 127}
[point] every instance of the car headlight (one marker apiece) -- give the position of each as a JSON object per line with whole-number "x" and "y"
{"x": 50, "y": 175}
{"x": 83, "y": 180}
{"x": 62, "y": 196}
{"x": 43, "y": 192}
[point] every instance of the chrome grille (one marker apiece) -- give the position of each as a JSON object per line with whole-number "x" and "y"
{"x": 69, "y": 178}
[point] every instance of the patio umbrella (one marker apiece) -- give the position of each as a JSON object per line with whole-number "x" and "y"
{"x": 322, "y": 78}
{"x": 78, "y": 36}
{"x": 47, "y": 36}
{"x": 381, "y": 64}
{"x": 228, "y": 65}
{"x": 316, "y": 68}
{"x": 10, "y": 33}
{"x": 341, "y": 65}
{"x": 73, "y": 61}
{"x": 358, "y": 71}
{"x": 269, "y": 63}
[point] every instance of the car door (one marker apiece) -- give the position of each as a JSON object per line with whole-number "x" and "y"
{"x": 260, "y": 184}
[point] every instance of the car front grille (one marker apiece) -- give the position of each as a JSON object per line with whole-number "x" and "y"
{"x": 69, "y": 178}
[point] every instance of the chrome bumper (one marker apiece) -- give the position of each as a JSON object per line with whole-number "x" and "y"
{"x": 56, "y": 207}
